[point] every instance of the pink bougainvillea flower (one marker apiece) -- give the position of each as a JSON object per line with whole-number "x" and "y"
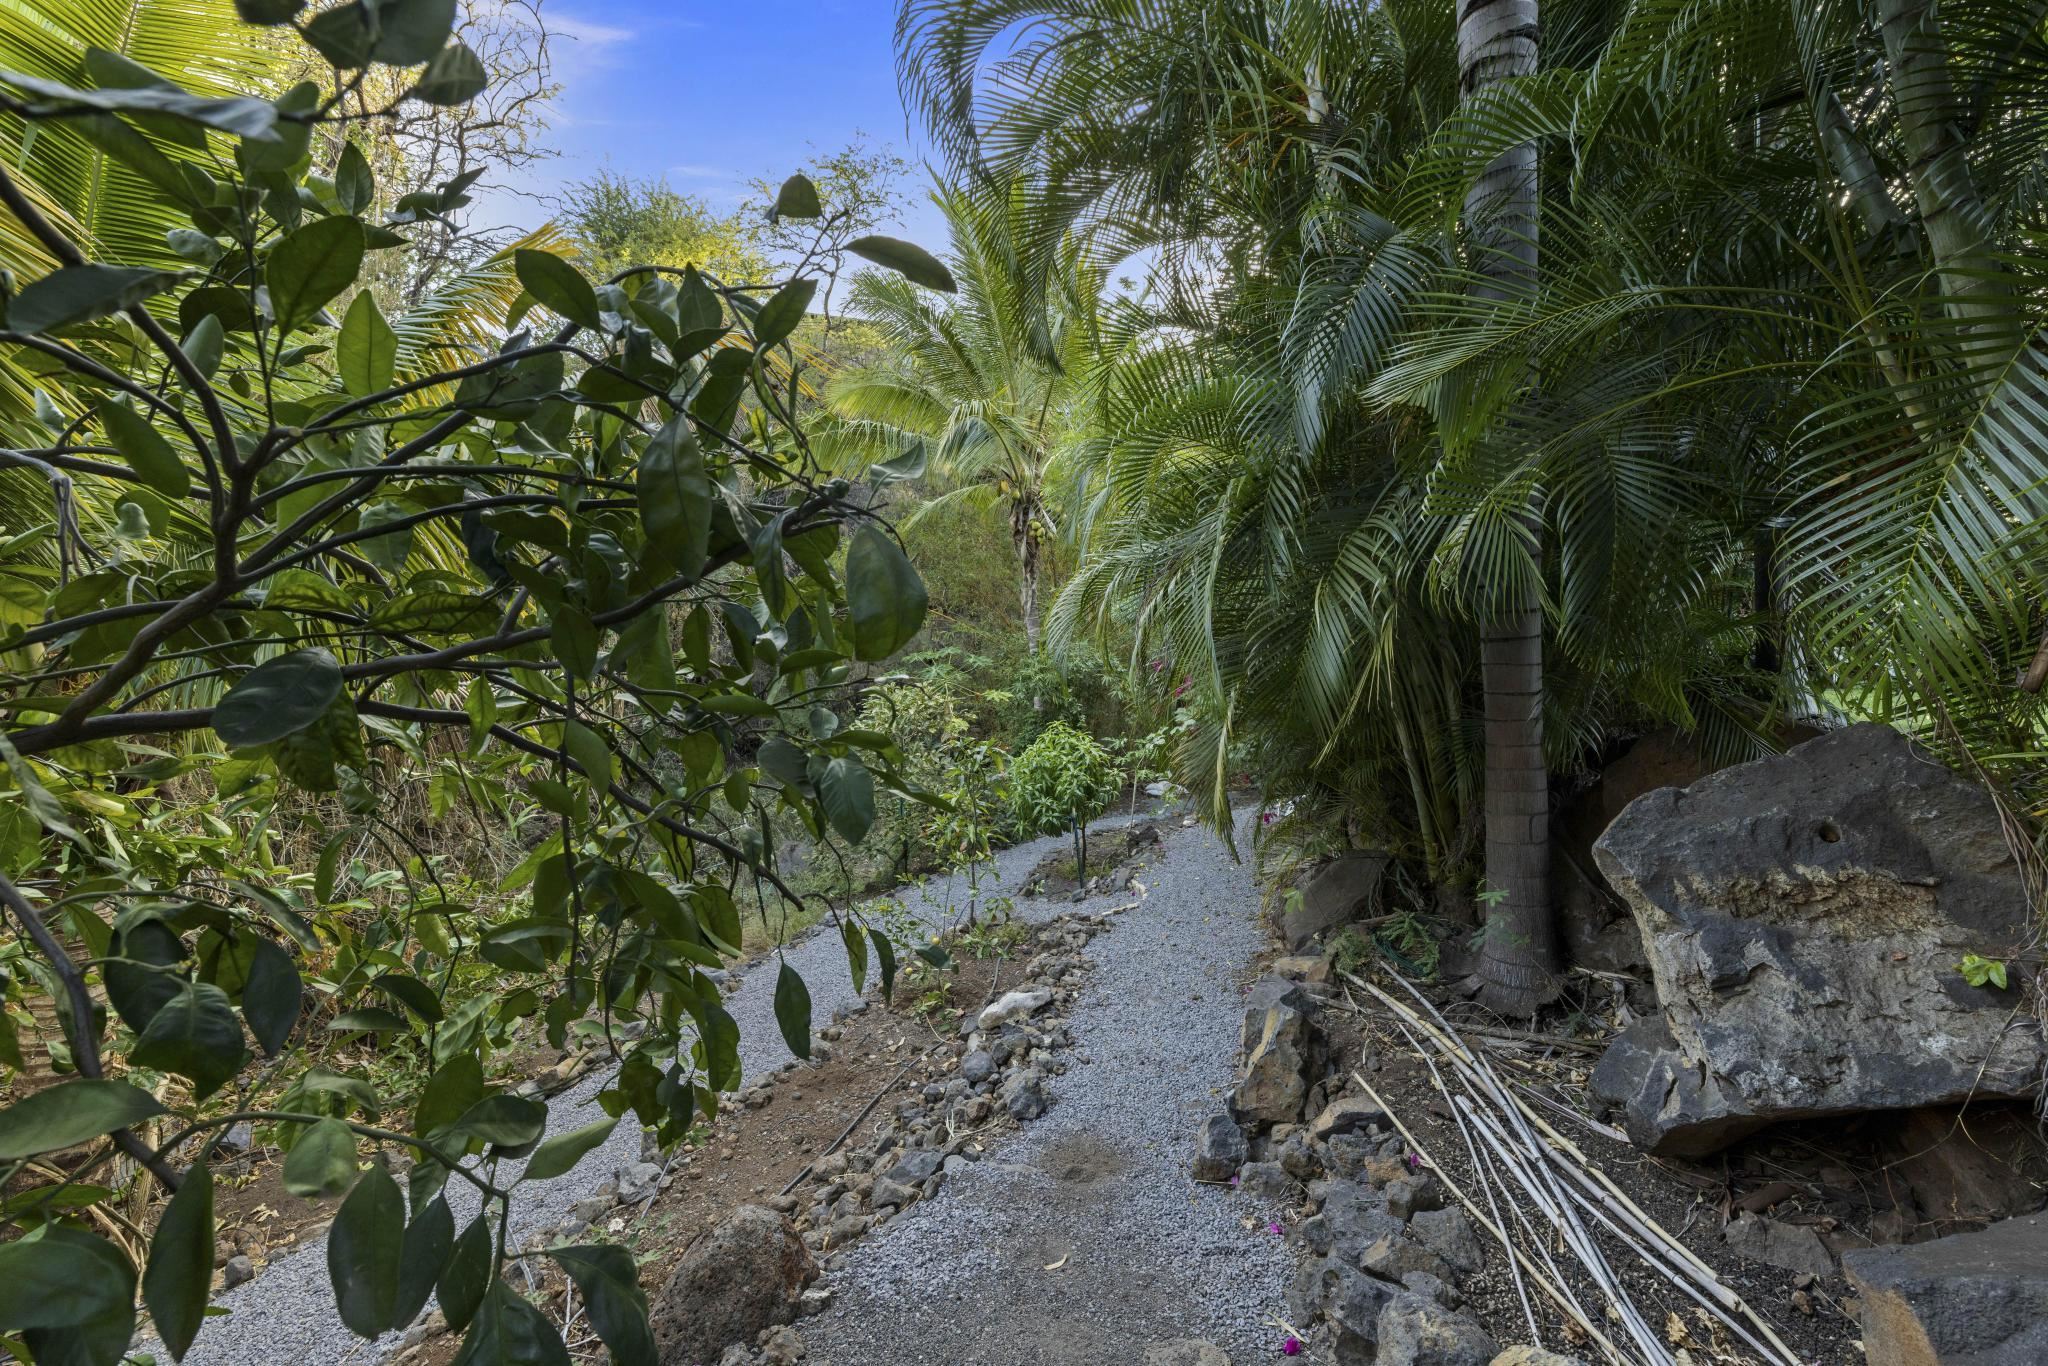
{"x": 1414, "y": 1162}
{"x": 1291, "y": 1347}
{"x": 1275, "y": 1227}
{"x": 1267, "y": 818}
{"x": 1233, "y": 1182}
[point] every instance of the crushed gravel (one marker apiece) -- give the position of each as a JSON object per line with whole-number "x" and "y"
{"x": 286, "y": 1314}
{"x": 1083, "y": 1239}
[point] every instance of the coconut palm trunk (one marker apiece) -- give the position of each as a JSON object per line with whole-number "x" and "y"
{"x": 1517, "y": 966}
{"x": 1024, "y": 536}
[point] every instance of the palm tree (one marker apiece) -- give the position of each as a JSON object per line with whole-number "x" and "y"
{"x": 1496, "y": 43}
{"x": 987, "y": 383}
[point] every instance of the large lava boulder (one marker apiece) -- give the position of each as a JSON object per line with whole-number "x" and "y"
{"x": 1332, "y": 893}
{"x": 1975, "y": 1298}
{"x": 1804, "y": 916}
{"x": 746, "y": 1274}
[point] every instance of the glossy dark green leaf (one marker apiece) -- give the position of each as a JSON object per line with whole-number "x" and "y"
{"x": 196, "y": 1035}
{"x": 268, "y": 11}
{"x": 429, "y": 1241}
{"x": 323, "y": 1161}
{"x": 72, "y": 1295}
{"x": 856, "y": 954}
{"x": 455, "y": 1086}
{"x": 455, "y": 76}
{"x": 412, "y": 31}
{"x": 278, "y": 697}
{"x": 609, "y": 1282}
{"x": 272, "y": 996}
{"x": 504, "y": 1121}
{"x": 798, "y": 198}
{"x": 675, "y": 497}
{"x": 342, "y": 35}
{"x": 143, "y": 976}
{"x": 885, "y": 955}
{"x": 412, "y": 993}
{"x": 884, "y": 595}
{"x": 367, "y": 1020}
{"x": 793, "y": 1010}
{"x": 244, "y": 116}
{"x": 77, "y": 294}
{"x": 310, "y": 267}
{"x": 461, "y": 1285}
{"x": 847, "y": 791}
{"x": 720, "y": 1036}
{"x": 783, "y": 313}
{"x": 363, "y": 1253}
{"x": 507, "y": 1331}
{"x": 562, "y": 1152}
{"x": 355, "y": 184}
{"x": 907, "y": 259}
{"x": 180, "y": 1270}
{"x": 366, "y": 352}
{"x": 146, "y": 450}
{"x": 205, "y": 345}
{"x": 575, "y": 639}
{"x": 64, "y": 1116}
{"x": 558, "y": 286}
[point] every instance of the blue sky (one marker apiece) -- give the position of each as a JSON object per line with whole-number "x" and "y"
{"x": 711, "y": 94}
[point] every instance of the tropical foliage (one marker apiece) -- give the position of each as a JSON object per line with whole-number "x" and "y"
{"x": 1760, "y": 431}
{"x": 569, "y": 560}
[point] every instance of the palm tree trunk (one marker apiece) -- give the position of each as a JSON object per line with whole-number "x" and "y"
{"x": 1023, "y": 536}
{"x": 1517, "y": 967}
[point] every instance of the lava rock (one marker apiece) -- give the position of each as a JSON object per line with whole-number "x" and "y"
{"x": 1408, "y": 1196}
{"x": 1526, "y": 1355}
{"x": 977, "y": 1067}
{"x": 1015, "y": 1005}
{"x": 748, "y": 1273}
{"x": 1023, "y": 1097}
{"x": 1795, "y": 1247}
{"x": 1275, "y": 1082}
{"x": 1449, "y": 1234}
{"x": 1803, "y": 916}
{"x": 1264, "y": 1181}
{"x": 237, "y": 1270}
{"x": 916, "y": 1167}
{"x": 1979, "y": 1299}
{"x": 1345, "y": 1115}
{"x": 1332, "y": 893}
{"x": 1348, "y": 1299}
{"x": 1415, "y": 1331}
{"x": 638, "y": 1181}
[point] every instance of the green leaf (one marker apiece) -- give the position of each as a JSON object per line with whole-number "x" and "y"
{"x": 505, "y": 1121}
{"x": 783, "y": 312}
{"x": 244, "y": 116}
{"x": 271, "y": 997}
{"x": 847, "y": 790}
{"x": 64, "y": 1116}
{"x": 268, "y": 12}
{"x": 145, "y": 449}
{"x": 367, "y": 1020}
{"x": 558, "y": 286}
{"x": 72, "y": 1294}
{"x": 793, "y": 1010}
{"x": 455, "y": 1086}
{"x": 907, "y": 259}
{"x": 196, "y": 1035}
{"x": 562, "y": 1152}
{"x": 77, "y": 294}
{"x": 675, "y": 497}
{"x": 885, "y": 954}
{"x": 575, "y": 639}
{"x": 342, "y": 35}
{"x": 137, "y": 987}
{"x": 205, "y": 344}
{"x": 355, "y": 184}
{"x": 412, "y": 31}
{"x": 322, "y": 1162}
{"x": 610, "y": 1285}
{"x": 412, "y": 993}
{"x": 429, "y": 1239}
{"x": 462, "y": 1282}
{"x": 180, "y": 1270}
{"x": 589, "y": 751}
{"x": 278, "y": 697}
{"x": 508, "y": 1331}
{"x": 798, "y": 198}
{"x": 856, "y": 954}
{"x": 366, "y": 353}
{"x": 482, "y": 705}
{"x": 309, "y": 268}
{"x": 455, "y": 76}
{"x": 884, "y": 595}
{"x": 363, "y": 1251}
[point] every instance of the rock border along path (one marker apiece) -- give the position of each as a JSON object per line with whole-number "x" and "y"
{"x": 1084, "y": 1240}
{"x": 1161, "y": 1058}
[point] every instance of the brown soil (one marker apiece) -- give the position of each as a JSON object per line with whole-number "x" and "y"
{"x": 749, "y": 1155}
{"x": 1857, "y": 1182}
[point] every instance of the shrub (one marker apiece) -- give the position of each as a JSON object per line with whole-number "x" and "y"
{"x": 1063, "y": 781}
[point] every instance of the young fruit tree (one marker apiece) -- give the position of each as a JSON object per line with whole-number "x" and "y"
{"x": 1062, "y": 781}
{"x": 285, "y": 553}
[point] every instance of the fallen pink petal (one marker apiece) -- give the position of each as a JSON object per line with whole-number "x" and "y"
{"x": 1276, "y": 1227}
{"x": 1291, "y": 1347}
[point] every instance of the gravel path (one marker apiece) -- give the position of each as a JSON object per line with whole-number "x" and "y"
{"x": 287, "y": 1313}
{"x": 1083, "y": 1240}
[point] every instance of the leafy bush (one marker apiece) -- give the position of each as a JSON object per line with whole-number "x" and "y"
{"x": 583, "y": 573}
{"x": 1063, "y": 781}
